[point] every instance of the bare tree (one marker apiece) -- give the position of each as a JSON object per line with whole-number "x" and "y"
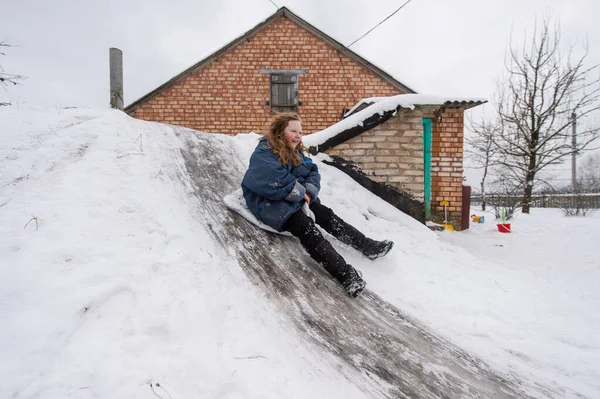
{"x": 5, "y": 78}
{"x": 543, "y": 89}
{"x": 481, "y": 149}
{"x": 589, "y": 173}
{"x": 506, "y": 196}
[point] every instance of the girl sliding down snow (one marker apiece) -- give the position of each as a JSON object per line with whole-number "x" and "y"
{"x": 280, "y": 180}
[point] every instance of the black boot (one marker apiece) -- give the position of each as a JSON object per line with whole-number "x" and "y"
{"x": 376, "y": 249}
{"x": 335, "y": 264}
{"x": 352, "y": 282}
{"x": 349, "y": 234}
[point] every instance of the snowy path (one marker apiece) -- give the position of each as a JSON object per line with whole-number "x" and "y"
{"x": 370, "y": 340}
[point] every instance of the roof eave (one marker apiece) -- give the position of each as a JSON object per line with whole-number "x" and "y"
{"x": 464, "y": 104}
{"x": 377, "y": 119}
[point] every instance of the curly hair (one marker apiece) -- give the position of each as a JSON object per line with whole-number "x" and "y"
{"x": 278, "y": 143}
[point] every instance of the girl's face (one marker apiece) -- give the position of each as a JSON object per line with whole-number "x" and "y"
{"x": 293, "y": 133}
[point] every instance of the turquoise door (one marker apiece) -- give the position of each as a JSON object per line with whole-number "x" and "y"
{"x": 427, "y": 165}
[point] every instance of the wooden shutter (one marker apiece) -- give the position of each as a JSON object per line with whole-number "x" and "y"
{"x": 284, "y": 93}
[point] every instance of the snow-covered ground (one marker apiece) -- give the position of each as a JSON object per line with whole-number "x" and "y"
{"x": 117, "y": 284}
{"x": 541, "y": 314}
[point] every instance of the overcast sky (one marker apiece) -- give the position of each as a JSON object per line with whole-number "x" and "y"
{"x": 439, "y": 47}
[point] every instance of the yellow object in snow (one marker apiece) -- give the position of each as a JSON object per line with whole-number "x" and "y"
{"x": 446, "y": 225}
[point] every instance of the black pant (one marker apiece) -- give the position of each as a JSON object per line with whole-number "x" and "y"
{"x": 302, "y": 226}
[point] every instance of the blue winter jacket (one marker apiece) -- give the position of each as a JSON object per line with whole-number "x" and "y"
{"x": 274, "y": 192}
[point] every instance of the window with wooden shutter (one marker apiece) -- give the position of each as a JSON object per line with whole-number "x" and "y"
{"x": 284, "y": 92}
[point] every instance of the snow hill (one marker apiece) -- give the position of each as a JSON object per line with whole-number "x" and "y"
{"x": 123, "y": 275}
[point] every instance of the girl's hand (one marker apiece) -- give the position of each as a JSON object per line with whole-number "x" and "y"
{"x": 307, "y": 198}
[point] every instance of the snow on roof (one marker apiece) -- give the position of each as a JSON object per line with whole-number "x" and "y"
{"x": 381, "y": 105}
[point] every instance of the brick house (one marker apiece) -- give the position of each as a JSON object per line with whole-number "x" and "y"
{"x": 286, "y": 64}
{"x": 282, "y": 64}
{"x": 408, "y": 151}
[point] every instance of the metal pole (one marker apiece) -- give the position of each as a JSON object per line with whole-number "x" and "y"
{"x": 116, "y": 78}
{"x": 574, "y": 155}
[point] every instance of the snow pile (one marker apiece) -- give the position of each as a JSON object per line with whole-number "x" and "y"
{"x": 380, "y": 105}
{"x": 118, "y": 283}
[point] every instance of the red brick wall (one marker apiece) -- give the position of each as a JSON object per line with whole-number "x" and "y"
{"x": 229, "y": 95}
{"x": 447, "y": 165}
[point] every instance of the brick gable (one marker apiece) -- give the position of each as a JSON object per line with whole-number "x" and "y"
{"x": 230, "y": 95}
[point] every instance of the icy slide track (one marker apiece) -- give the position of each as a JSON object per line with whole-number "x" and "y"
{"x": 370, "y": 339}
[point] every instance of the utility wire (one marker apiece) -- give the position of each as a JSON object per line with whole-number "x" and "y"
{"x": 274, "y": 4}
{"x": 346, "y": 75}
{"x": 375, "y": 27}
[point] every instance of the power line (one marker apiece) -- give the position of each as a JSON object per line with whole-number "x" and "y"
{"x": 274, "y": 4}
{"x": 375, "y": 27}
